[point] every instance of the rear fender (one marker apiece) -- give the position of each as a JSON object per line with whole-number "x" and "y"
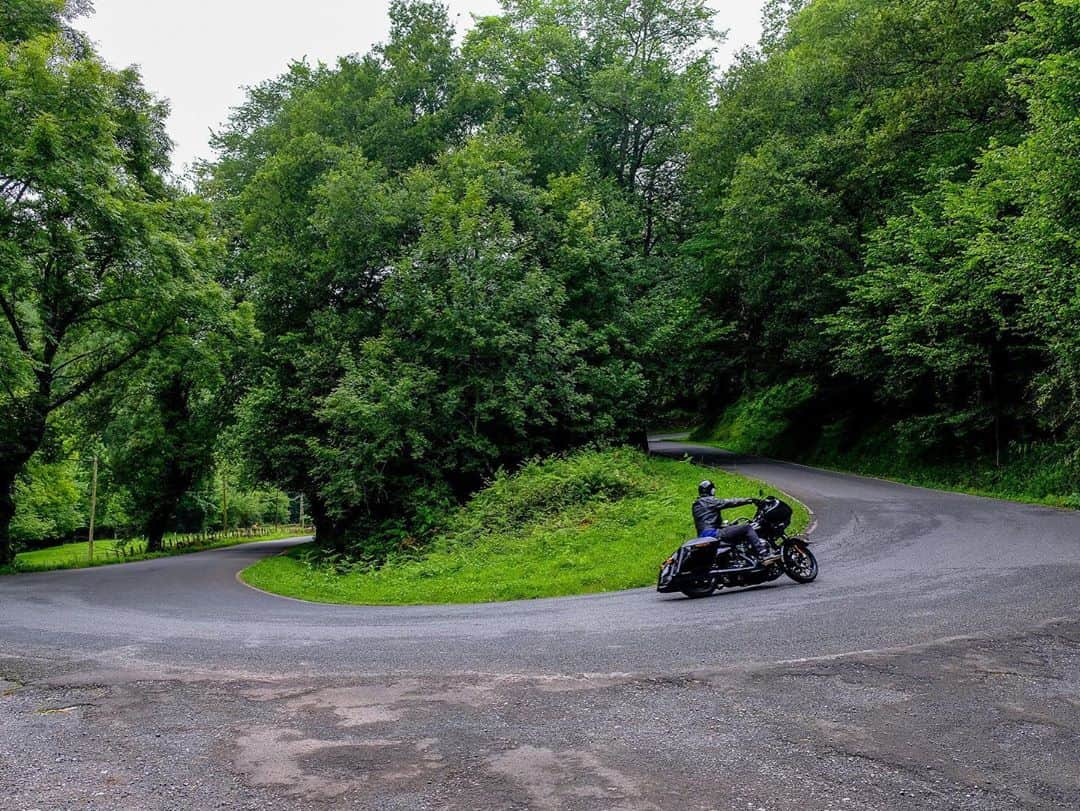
{"x": 796, "y": 542}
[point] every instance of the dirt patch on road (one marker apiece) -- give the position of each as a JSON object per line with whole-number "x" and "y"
{"x": 320, "y": 769}
{"x": 554, "y": 780}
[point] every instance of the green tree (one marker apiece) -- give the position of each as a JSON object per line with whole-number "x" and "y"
{"x": 442, "y": 289}
{"x": 50, "y": 501}
{"x": 846, "y": 112}
{"x": 612, "y": 85}
{"x": 166, "y": 416}
{"x": 1044, "y": 173}
{"x": 96, "y": 251}
{"x": 969, "y": 311}
{"x": 479, "y": 362}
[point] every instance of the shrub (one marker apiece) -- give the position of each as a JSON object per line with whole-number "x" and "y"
{"x": 760, "y": 423}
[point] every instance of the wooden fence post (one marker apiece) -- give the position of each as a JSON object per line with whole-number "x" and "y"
{"x": 93, "y": 511}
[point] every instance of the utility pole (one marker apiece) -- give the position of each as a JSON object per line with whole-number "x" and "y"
{"x": 93, "y": 510}
{"x": 224, "y": 504}
{"x": 301, "y": 511}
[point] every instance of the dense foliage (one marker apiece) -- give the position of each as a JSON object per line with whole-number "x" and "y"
{"x": 887, "y": 196}
{"x": 419, "y": 266}
{"x": 99, "y": 254}
{"x": 460, "y": 257}
{"x": 106, "y": 284}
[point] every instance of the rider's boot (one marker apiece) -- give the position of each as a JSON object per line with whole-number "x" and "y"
{"x": 766, "y": 554}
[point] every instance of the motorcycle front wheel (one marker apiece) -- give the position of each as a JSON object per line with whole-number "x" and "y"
{"x": 701, "y": 588}
{"x": 800, "y": 563}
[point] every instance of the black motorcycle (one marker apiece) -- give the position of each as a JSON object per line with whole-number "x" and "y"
{"x": 701, "y": 566}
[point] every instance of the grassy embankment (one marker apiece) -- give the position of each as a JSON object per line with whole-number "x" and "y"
{"x": 764, "y": 424}
{"x": 596, "y": 521}
{"x": 77, "y": 555}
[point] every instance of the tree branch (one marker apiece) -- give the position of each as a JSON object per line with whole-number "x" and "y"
{"x": 7, "y": 387}
{"x": 82, "y": 356}
{"x": 20, "y": 336}
{"x": 106, "y": 369}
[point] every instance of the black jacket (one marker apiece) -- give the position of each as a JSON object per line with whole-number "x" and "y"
{"x": 707, "y": 509}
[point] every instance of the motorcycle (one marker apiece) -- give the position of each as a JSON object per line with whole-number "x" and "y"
{"x": 701, "y": 566}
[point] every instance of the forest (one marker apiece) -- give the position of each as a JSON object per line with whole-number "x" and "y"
{"x": 561, "y": 227}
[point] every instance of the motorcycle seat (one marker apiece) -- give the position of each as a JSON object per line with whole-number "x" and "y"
{"x": 719, "y": 546}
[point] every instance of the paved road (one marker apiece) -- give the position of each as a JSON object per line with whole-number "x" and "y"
{"x": 935, "y": 663}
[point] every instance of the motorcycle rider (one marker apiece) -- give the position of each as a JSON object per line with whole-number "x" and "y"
{"x": 706, "y": 511}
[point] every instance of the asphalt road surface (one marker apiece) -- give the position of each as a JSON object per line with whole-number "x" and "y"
{"x": 935, "y": 663}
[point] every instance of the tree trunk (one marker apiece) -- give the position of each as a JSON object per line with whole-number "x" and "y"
{"x": 7, "y": 512}
{"x": 155, "y": 530}
{"x": 642, "y": 439}
{"x": 178, "y": 480}
{"x": 27, "y": 434}
{"x": 179, "y": 473}
{"x": 328, "y": 533}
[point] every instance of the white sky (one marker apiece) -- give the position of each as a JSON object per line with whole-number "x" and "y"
{"x": 200, "y": 54}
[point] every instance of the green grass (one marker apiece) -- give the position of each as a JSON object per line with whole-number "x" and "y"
{"x": 1031, "y": 480}
{"x": 1035, "y": 477}
{"x": 764, "y": 424}
{"x": 758, "y": 421}
{"x": 76, "y": 555}
{"x": 595, "y": 521}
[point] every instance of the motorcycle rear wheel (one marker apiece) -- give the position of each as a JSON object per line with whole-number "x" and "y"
{"x": 702, "y": 588}
{"x": 800, "y": 563}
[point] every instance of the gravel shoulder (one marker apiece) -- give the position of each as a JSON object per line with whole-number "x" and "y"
{"x": 962, "y": 723}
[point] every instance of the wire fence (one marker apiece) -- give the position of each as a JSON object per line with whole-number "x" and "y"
{"x": 134, "y": 547}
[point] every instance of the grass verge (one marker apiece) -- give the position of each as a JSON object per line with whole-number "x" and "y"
{"x": 76, "y": 555}
{"x": 595, "y": 521}
{"x": 1031, "y": 479}
{"x": 767, "y": 423}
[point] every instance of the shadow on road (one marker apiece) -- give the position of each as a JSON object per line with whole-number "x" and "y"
{"x": 702, "y": 454}
{"x": 730, "y": 592}
{"x": 262, "y": 549}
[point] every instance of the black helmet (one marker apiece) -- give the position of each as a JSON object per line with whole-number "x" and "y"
{"x": 706, "y": 488}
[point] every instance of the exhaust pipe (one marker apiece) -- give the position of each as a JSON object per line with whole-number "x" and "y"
{"x": 732, "y": 571}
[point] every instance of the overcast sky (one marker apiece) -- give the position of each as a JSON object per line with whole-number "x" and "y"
{"x": 200, "y": 54}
